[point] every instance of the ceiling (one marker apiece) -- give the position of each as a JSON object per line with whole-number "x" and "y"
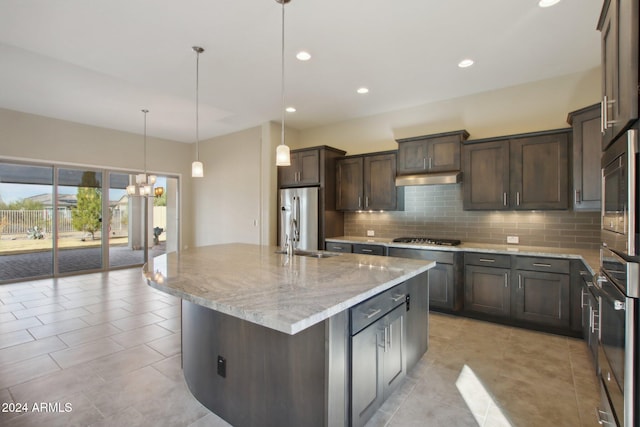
{"x": 99, "y": 62}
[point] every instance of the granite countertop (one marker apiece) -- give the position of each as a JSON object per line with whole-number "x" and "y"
{"x": 254, "y": 283}
{"x": 591, "y": 257}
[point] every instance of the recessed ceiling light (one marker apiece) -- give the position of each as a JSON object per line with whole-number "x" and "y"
{"x": 290, "y": 109}
{"x": 362, "y": 90}
{"x": 303, "y": 55}
{"x": 548, "y": 3}
{"x": 465, "y": 63}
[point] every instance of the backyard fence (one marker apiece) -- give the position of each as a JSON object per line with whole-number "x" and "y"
{"x": 21, "y": 221}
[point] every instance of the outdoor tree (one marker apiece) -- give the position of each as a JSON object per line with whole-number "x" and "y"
{"x": 87, "y": 215}
{"x": 161, "y": 200}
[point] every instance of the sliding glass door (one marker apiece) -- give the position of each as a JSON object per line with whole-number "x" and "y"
{"x": 79, "y": 237}
{"x": 66, "y": 220}
{"x": 26, "y": 211}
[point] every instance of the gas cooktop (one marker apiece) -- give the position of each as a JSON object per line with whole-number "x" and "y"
{"x": 427, "y": 241}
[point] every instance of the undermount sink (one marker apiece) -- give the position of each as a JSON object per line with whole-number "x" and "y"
{"x": 310, "y": 254}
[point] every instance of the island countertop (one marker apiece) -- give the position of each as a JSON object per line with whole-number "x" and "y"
{"x": 288, "y": 294}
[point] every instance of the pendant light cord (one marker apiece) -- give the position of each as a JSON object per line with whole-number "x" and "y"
{"x": 197, "y": 104}
{"x": 282, "y": 82}
{"x": 145, "y": 142}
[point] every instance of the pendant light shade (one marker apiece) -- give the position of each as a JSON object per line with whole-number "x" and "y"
{"x": 197, "y": 168}
{"x": 283, "y": 156}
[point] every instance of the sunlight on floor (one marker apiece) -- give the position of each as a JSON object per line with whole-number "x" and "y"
{"x": 479, "y": 400}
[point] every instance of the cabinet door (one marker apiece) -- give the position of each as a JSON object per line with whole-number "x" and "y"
{"x": 288, "y": 175}
{"x": 539, "y": 172}
{"x": 441, "y": 286}
{"x": 349, "y": 184}
{"x": 379, "y": 182}
{"x": 394, "y": 367}
{"x": 443, "y": 154}
{"x": 366, "y": 381}
{"x": 412, "y": 157}
{"x": 610, "y": 80}
{"x": 542, "y": 298}
{"x": 485, "y": 170}
{"x": 308, "y": 167}
{"x": 487, "y": 290}
{"x": 587, "y": 138}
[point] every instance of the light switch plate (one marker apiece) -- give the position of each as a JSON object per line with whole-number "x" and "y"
{"x": 371, "y": 233}
{"x": 513, "y": 239}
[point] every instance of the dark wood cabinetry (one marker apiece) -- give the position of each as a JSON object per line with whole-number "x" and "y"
{"x": 542, "y": 298}
{"x": 524, "y": 172}
{"x": 445, "y": 279}
{"x": 618, "y": 25}
{"x": 487, "y": 284}
{"x": 587, "y": 143}
{"x": 367, "y": 182}
{"x": 522, "y": 289}
{"x": 368, "y": 249}
{"x": 430, "y": 153}
{"x": 304, "y": 169}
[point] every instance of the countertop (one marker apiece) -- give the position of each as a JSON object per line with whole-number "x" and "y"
{"x": 288, "y": 294}
{"x": 591, "y": 257}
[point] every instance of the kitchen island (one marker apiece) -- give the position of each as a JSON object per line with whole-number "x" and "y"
{"x": 266, "y": 337}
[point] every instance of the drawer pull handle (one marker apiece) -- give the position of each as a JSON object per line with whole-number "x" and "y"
{"x": 366, "y": 250}
{"x": 398, "y": 298}
{"x": 373, "y": 313}
{"x": 539, "y": 264}
{"x": 487, "y": 260}
{"x": 601, "y": 420}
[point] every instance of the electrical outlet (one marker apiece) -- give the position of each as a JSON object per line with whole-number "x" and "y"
{"x": 513, "y": 239}
{"x": 371, "y": 233}
{"x": 222, "y": 366}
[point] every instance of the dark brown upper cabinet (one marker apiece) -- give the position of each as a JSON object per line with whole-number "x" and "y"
{"x": 430, "y": 153}
{"x": 522, "y": 172}
{"x": 587, "y": 142}
{"x": 367, "y": 182}
{"x": 304, "y": 169}
{"x": 618, "y": 25}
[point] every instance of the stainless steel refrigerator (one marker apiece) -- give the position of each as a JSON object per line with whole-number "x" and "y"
{"x": 298, "y": 208}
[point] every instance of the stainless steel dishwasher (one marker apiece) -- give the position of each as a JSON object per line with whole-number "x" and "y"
{"x": 378, "y": 351}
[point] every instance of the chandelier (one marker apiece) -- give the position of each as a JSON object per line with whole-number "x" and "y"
{"x": 143, "y": 185}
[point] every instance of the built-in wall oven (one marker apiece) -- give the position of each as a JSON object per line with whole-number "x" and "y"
{"x": 618, "y": 285}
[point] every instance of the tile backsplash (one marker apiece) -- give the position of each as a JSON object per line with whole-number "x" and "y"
{"x": 436, "y": 211}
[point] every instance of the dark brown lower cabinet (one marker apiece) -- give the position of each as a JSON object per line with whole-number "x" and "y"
{"x": 487, "y": 290}
{"x": 542, "y": 298}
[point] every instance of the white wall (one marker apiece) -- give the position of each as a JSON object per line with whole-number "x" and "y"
{"x": 531, "y": 107}
{"x": 227, "y": 199}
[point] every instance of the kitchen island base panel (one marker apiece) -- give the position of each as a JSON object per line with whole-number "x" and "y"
{"x": 272, "y": 378}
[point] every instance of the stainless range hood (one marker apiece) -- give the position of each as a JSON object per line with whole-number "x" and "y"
{"x": 429, "y": 179}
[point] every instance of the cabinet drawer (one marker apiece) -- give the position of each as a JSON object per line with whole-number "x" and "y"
{"x": 553, "y": 265}
{"x": 338, "y": 247}
{"x": 441, "y": 257}
{"x": 368, "y": 249}
{"x": 374, "y": 308}
{"x": 488, "y": 260}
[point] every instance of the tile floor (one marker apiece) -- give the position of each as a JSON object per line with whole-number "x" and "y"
{"x": 104, "y": 350}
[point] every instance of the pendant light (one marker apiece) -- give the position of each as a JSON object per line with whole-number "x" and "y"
{"x": 283, "y": 156}
{"x": 144, "y": 183}
{"x": 197, "y": 168}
